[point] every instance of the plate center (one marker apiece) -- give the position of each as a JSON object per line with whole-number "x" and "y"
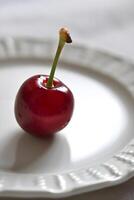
{"x": 102, "y": 122}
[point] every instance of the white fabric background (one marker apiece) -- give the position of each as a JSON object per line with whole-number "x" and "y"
{"x": 107, "y": 24}
{"x": 104, "y": 24}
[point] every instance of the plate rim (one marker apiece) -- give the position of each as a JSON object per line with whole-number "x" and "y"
{"x": 116, "y": 170}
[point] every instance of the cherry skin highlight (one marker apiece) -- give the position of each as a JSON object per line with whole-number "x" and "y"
{"x": 41, "y": 111}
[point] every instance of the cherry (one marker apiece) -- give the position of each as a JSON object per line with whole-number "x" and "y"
{"x": 44, "y": 105}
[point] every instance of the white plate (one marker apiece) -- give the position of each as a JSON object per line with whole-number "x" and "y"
{"x": 95, "y": 150}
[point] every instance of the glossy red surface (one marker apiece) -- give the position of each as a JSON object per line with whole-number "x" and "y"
{"x": 41, "y": 111}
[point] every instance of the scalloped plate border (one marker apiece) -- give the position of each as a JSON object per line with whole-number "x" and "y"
{"x": 117, "y": 169}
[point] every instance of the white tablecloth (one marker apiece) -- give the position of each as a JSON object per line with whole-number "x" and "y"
{"x": 104, "y": 24}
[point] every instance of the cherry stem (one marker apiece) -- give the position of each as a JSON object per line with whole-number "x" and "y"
{"x": 64, "y": 37}
{"x": 56, "y": 58}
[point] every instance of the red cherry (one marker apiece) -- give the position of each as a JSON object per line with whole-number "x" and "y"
{"x": 42, "y": 111}
{"x": 44, "y": 105}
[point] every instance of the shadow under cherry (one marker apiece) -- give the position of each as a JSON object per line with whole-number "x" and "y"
{"x": 29, "y": 154}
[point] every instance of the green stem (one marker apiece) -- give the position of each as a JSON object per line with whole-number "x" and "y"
{"x": 56, "y": 58}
